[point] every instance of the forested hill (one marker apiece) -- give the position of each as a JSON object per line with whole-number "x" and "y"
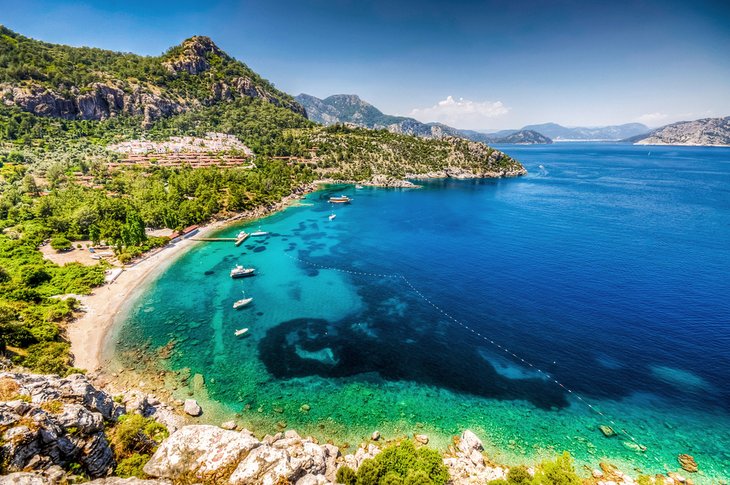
{"x": 94, "y": 84}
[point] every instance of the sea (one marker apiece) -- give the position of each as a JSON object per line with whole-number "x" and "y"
{"x": 594, "y": 291}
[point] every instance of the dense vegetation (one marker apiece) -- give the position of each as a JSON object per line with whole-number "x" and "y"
{"x": 134, "y": 439}
{"x": 400, "y": 464}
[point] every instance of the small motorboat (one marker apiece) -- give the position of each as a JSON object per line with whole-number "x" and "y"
{"x": 342, "y": 199}
{"x": 241, "y": 331}
{"x": 241, "y": 303}
{"x": 358, "y": 186}
{"x": 241, "y": 272}
{"x": 259, "y": 233}
{"x": 332, "y": 216}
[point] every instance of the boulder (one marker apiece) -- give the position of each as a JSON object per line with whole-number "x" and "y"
{"x": 421, "y": 438}
{"x": 375, "y": 436}
{"x": 201, "y": 451}
{"x": 265, "y": 465}
{"x": 470, "y": 442}
{"x": 230, "y": 425}
{"x": 192, "y": 407}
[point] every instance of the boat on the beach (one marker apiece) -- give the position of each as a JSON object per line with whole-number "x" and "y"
{"x": 342, "y": 199}
{"x": 241, "y": 303}
{"x": 240, "y": 272}
{"x": 332, "y": 216}
{"x": 241, "y": 331}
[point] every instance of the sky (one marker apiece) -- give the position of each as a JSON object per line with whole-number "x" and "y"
{"x": 482, "y": 65}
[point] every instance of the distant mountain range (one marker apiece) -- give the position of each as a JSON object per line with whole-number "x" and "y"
{"x": 704, "y": 132}
{"x": 350, "y": 109}
{"x": 602, "y": 133}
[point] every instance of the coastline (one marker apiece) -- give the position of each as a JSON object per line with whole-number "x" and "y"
{"x": 88, "y": 333}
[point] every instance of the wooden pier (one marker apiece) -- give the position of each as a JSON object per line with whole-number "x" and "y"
{"x": 213, "y": 239}
{"x": 237, "y": 240}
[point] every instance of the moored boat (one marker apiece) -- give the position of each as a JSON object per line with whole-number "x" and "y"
{"x": 242, "y": 302}
{"x": 259, "y": 233}
{"x": 332, "y": 216}
{"x": 241, "y": 331}
{"x": 342, "y": 199}
{"x": 240, "y": 272}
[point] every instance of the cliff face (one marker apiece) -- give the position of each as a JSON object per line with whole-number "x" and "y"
{"x": 704, "y": 132}
{"x": 108, "y": 84}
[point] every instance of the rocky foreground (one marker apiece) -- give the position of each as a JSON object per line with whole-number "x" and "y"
{"x": 54, "y": 430}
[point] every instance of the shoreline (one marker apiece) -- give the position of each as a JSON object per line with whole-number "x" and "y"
{"x": 88, "y": 333}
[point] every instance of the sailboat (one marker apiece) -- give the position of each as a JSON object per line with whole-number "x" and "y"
{"x": 332, "y": 216}
{"x": 242, "y": 302}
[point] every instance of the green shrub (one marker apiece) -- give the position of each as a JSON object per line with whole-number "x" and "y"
{"x": 346, "y": 475}
{"x": 60, "y": 243}
{"x": 558, "y": 472}
{"x": 135, "y": 434}
{"x": 400, "y": 464}
{"x": 35, "y": 275}
{"x": 132, "y": 466}
{"x": 48, "y": 358}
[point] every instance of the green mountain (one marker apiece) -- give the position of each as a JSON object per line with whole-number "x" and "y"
{"x": 350, "y": 109}
{"x": 94, "y": 84}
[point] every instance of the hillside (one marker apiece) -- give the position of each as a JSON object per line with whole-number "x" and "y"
{"x": 99, "y": 147}
{"x": 94, "y": 84}
{"x": 601, "y": 133}
{"x": 350, "y": 109}
{"x": 704, "y": 132}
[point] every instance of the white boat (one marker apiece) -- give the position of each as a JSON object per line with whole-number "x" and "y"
{"x": 342, "y": 199}
{"x": 241, "y": 235}
{"x": 241, "y": 331}
{"x": 259, "y": 233}
{"x": 242, "y": 302}
{"x": 358, "y": 186}
{"x": 332, "y": 216}
{"x": 240, "y": 272}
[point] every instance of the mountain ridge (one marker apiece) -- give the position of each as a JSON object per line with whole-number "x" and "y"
{"x": 350, "y": 108}
{"x": 701, "y": 132}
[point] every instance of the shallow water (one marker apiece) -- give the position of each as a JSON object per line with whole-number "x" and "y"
{"x": 604, "y": 269}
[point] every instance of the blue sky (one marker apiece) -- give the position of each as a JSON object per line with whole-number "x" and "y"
{"x": 472, "y": 64}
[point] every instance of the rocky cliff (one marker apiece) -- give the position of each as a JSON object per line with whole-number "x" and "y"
{"x": 91, "y": 84}
{"x": 704, "y": 132}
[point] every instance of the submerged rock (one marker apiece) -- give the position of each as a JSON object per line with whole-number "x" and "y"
{"x": 688, "y": 463}
{"x": 607, "y": 430}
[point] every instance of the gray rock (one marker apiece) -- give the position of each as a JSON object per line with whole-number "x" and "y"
{"x": 421, "y": 438}
{"x": 200, "y": 451}
{"x": 230, "y": 425}
{"x": 192, "y": 407}
{"x": 265, "y": 465}
{"x": 469, "y": 442}
{"x": 375, "y": 436}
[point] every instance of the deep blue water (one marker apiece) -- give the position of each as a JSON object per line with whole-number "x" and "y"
{"x": 606, "y": 268}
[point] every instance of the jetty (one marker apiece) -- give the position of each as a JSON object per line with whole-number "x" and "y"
{"x": 238, "y": 240}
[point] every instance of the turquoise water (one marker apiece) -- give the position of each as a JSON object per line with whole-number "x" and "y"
{"x": 604, "y": 269}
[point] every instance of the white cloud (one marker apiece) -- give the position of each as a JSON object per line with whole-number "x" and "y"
{"x": 652, "y": 118}
{"x": 461, "y": 113}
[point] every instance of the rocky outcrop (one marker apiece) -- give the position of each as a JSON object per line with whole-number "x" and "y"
{"x": 193, "y": 56}
{"x": 467, "y": 465}
{"x": 213, "y": 454}
{"x": 99, "y": 102}
{"x": 56, "y": 422}
{"x": 704, "y": 132}
{"x": 245, "y": 86}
